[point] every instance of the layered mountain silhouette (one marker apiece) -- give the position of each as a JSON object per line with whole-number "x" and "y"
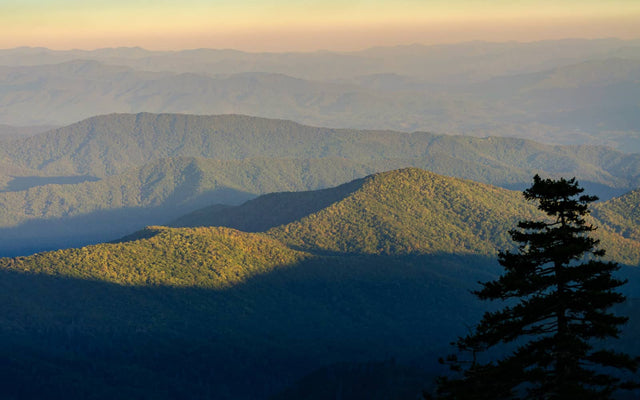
{"x": 401, "y": 212}
{"x": 106, "y": 176}
{"x": 461, "y": 62}
{"x": 569, "y": 92}
{"x": 180, "y": 248}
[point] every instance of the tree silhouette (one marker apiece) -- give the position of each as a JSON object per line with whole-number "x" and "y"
{"x": 559, "y": 293}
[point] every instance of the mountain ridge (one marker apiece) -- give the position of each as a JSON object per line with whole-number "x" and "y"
{"x": 100, "y": 172}
{"x": 155, "y": 193}
{"x": 237, "y": 136}
{"x": 397, "y": 212}
{"x": 383, "y": 271}
{"x": 477, "y": 89}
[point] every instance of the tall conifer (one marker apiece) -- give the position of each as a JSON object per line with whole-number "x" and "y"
{"x": 559, "y": 294}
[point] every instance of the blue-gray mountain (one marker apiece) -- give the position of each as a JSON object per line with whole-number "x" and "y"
{"x": 569, "y": 92}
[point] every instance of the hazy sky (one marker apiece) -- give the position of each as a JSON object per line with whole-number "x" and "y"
{"x": 307, "y": 25}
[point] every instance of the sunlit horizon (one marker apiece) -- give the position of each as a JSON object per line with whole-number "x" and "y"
{"x": 285, "y": 25}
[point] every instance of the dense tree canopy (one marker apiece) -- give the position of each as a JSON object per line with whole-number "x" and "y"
{"x": 558, "y": 294}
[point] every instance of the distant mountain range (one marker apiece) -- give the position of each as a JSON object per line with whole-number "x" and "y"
{"x": 564, "y": 92}
{"x": 374, "y": 269}
{"x": 106, "y": 176}
{"x": 157, "y": 242}
{"x": 463, "y": 62}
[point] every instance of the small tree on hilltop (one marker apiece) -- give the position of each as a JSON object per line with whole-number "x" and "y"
{"x": 561, "y": 293}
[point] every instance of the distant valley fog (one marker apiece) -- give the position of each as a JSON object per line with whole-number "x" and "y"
{"x": 564, "y": 92}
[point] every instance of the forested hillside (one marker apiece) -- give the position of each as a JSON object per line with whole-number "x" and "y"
{"x": 45, "y": 213}
{"x": 107, "y": 145}
{"x": 213, "y": 258}
{"x": 399, "y": 212}
{"x": 208, "y": 311}
{"x": 311, "y": 210}
{"x": 621, "y": 214}
{"x": 107, "y": 176}
{"x": 375, "y": 269}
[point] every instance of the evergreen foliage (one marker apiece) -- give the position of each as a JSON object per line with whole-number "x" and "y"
{"x": 189, "y": 257}
{"x": 621, "y": 214}
{"x": 414, "y": 211}
{"x": 410, "y": 211}
{"x": 560, "y": 293}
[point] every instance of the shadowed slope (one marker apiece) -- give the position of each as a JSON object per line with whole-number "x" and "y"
{"x": 75, "y": 338}
{"x": 269, "y": 210}
{"x": 214, "y": 312}
{"x": 54, "y": 215}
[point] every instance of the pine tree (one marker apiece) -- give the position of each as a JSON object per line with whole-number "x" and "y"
{"x": 559, "y": 292}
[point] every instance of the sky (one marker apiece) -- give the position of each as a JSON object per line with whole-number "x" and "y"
{"x": 306, "y": 25}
